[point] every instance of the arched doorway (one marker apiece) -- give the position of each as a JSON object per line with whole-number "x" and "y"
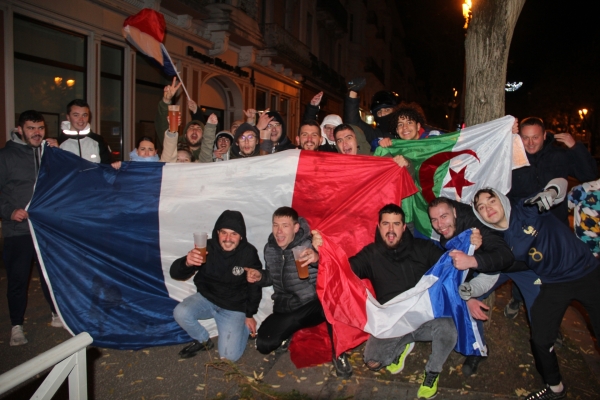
{"x": 221, "y": 95}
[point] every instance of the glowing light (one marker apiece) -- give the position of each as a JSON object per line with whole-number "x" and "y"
{"x": 370, "y": 119}
{"x": 70, "y": 82}
{"x": 582, "y": 113}
{"x": 511, "y": 87}
{"x": 467, "y": 12}
{"x": 57, "y": 80}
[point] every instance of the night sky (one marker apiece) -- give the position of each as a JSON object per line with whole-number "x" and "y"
{"x": 555, "y": 52}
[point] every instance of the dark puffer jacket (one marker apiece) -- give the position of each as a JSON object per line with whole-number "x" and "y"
{"x": 291, "y": 292}
{"x": 215, "y": 279}
{"x": 394, "y": 271}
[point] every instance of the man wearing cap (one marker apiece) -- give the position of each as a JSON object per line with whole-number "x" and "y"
{"x": 199, "y": 139}
{"x": 223, "y": 291}
{"x": 223, "y": 143}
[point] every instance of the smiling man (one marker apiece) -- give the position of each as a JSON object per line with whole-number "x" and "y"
{"x": 223, "y": 291}
{"x": 19, "y": 167}
{"x": 295, "y": 302}
{"x": 77, "y": 137}
{"x": 309, "y": 136}
{"x": 566, "y": 268}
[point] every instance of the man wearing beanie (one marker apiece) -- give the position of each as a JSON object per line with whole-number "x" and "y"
{"x": 223, "y": 291}
{"x": 278, "y": 137}
{"x": 245, "y": 142}
{"x": 223, "y": 143}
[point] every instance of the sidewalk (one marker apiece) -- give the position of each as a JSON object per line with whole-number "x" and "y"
{"x": 159, "y": 373}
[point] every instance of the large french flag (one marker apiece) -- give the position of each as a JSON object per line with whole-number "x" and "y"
{"x": 106, "y": 238}
{"x": 146, "y": 32}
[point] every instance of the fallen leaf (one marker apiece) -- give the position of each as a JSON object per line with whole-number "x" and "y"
{"x": 303, "y": 378}
{"x": 521, "y": 392}
{"x": 280, "y": 374}
{"x": 451, "y": 370}
{"x": 160, "y": 378}
{"x": 375, "y": 389}
{"x": 199, "y": 388}
{"x": 146, "y": 351}
{"x": 275, "y": 386}
{"x": 136, "y": 382}
{"x": 468, "y": 387}
{"x": 319, "y": 383}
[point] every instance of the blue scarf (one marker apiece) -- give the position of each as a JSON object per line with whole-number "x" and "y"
{"x": 133, "y": 156}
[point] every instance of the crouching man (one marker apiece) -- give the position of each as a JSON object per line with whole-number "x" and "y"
{"x": 223, "y": 291}
{"x": 566, "y": 267}
{"x": 295, "y": 301}
{"x": 394, "y": 264}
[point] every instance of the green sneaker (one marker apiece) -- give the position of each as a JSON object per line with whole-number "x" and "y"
{"x": 399, "y": 366}
{"x": 428, "y": 389}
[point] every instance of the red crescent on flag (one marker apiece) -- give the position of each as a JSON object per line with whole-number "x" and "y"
{"x": 430, "y": 166}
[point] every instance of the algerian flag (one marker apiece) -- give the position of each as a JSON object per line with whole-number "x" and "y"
{"x": 456, "y": 165}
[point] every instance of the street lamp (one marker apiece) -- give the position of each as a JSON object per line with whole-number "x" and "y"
{"x": 583, "y": 113}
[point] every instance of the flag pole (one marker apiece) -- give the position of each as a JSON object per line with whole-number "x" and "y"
{"x": 177, "y": 72}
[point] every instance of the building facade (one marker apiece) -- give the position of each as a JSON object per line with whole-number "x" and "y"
{"x": 231, "y": 54}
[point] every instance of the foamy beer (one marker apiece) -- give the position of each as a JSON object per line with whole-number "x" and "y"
{"x": 174, "y": 119}
{"x": 200, "y": 239}
{"x": 302, "y": 271}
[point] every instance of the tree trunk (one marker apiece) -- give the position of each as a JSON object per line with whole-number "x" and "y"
{"x": 486, "y": 51}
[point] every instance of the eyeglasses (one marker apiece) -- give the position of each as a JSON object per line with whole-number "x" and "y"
{"x": 273, "y": 125}
{"x": 249, "y": 138}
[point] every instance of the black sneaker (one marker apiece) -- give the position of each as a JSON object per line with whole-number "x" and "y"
{"x": 512, "y": 309}
{"x": 343, "y": 369}
{"x": 193, "y": 348}
{"x": 548, "y": 394}
{"x": 285, "y": 345}
{"x": 356, "y": 84}
{"x": 470, "y": 365}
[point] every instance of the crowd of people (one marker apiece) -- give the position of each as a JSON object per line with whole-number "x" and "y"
{"x": 522, "y": 236}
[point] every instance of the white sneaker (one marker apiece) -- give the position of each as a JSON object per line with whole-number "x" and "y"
{"x": 17, "y": 337}
{"x": 56, "y": 321}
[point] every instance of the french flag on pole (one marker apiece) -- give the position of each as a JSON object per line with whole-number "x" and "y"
{"x": 106, "y": 238}
{"x": 146, "y": 32}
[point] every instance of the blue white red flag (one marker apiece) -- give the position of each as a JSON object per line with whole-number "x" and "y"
{"x": 348, "y": 301}
{"x": 106, "y": 238}
{"x": 146, "y": 31}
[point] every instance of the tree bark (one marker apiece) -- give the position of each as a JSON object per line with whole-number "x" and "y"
{"x": 486, "y": 51}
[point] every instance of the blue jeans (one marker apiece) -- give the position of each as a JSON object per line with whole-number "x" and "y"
{"x": 231, "y": 325}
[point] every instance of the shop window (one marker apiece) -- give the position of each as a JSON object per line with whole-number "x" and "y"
{"x": 111, "y": 99}
{"x": 261, "y": 100}
{"x": 50, "y": 69}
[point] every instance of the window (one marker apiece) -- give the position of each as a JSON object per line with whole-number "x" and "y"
{"x": 149, "y": 84}
{"x": 274, "y": 103}
{"x": 50, "y": 69}
{"x": 309, "y": 24}
{"x": 261, "y": 100}
{"x": 111, "y": 99}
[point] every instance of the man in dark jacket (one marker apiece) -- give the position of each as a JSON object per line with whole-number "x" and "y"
{"x": 394, "y": 263}
{"x": 77, "y": 137}
{"x": 449, "y": 218}
{"x": 223, "y": 291}
{"x": 567, "y": 269}
{"x": 19, "y": 167}
{"x": 295, "y": 301}
{"x": 547, "y": 161}
{"x": 278, "y": 140}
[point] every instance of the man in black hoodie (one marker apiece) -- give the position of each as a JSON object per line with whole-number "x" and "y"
{"x": 278, "y": 140}
{"x": 394, "y": 264}
{"x": 223, "y": 292}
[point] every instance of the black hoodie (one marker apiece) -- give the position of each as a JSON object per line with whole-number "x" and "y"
{"x": 284, "y": 142}
{"x": 235, "y": 151}
{"x": 215, "y": 279}
{"x": 394, "y": 271}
